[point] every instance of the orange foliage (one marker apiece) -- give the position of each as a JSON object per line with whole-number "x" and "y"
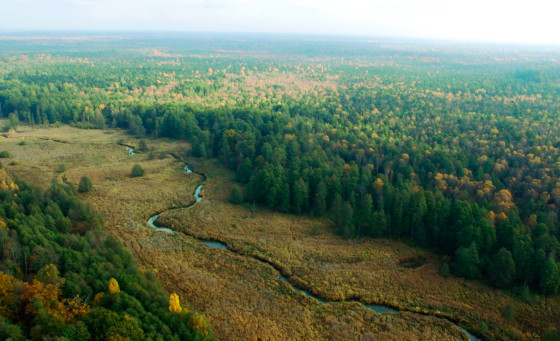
{"x": 48, "y": 293}
{"x": 7, "y": 295}
{"x": 74, "y": 308}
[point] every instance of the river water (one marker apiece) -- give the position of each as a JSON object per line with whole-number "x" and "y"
{"x": 219, "y": 245}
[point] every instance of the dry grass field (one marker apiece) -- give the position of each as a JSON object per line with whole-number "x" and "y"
{"x": 243, "y": 298}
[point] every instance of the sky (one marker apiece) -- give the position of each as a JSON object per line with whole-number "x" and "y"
{"x": 508, "y": 21}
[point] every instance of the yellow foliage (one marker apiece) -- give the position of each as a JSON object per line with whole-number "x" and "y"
{"x": 378, "y": 185}
{"x": 502, "y": 216}
{"x": 198, "y": 322}
{"x": 49, "y": 274}
{"x": 98, "y": 299}
{"x": 532, "y": 221}
{"x": 7, "y": 294}
{"x": 492, "y": 216}
{"x": 6, "y": 183}
{"x": 75, "y": 307}
{"x": 118, "y": 338}
{"x": 174, "y": 304}
{"x": 114, "y": 286}
{"x": 503, "y": 201}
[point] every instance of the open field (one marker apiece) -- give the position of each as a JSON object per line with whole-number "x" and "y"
{"x": 244, "y": 299}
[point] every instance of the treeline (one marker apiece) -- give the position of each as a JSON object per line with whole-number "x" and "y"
{"x": 63, "y": 277}
{"x": 449, "y": 200}
{"x": 459, "y": 154}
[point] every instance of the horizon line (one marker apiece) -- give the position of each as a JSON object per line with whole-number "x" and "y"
{"x": 385, "y": 38}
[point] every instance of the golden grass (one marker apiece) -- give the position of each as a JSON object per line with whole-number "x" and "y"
{"x": 243, "y": 298}
{"x": 367, "y": 269}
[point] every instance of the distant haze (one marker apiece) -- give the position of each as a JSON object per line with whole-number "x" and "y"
{"x": 510, "y": 21}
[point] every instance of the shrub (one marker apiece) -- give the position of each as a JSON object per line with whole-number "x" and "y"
{"x": 85, "y": 185}
{"x": 5, "y": 154}
{"x": 137, "y": 171}
{"x": 62, "y": 168}
{"x": 142, "y": 146}
{"x": 444, "y": 270}
{"x": 236, "y": 197}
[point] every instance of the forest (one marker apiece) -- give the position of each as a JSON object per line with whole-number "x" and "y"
{"x": 63, "y": 277}
{"x": 454, "y": 149}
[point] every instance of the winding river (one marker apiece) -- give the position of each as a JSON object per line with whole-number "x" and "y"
{"x": 219, "y": 245}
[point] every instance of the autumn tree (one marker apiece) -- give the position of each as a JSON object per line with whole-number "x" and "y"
{"x": 174, "y": 304}
{"x": 8, "y": 296}
{"x": 114, "y": 286}
{"x": 198, "y": 322}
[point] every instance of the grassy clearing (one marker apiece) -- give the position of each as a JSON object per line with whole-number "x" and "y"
{"x": 370, "y": 270}
{"x": 242, "y": 298}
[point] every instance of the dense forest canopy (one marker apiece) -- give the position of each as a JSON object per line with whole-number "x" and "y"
{"x": 62, "y": 277}
{"x": 454, "y": 148}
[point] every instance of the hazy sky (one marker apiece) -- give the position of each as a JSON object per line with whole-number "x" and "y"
{"x": 534, "y": 21}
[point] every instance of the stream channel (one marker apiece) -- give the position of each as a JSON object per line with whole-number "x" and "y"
{"x": 219, "y": 245}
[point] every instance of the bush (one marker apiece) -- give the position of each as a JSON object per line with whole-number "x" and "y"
{"x": 137, "y": 171}
{"x": 62, "y": 168}
{"x": 142, "y": 146}
{"x": 444, "y": 270}
{"x": 5, "y": 154}
{"x": 85, "y": 185}
{"x": 236, "y": 197}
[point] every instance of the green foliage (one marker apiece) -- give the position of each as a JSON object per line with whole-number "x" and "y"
{"x": 13, "y": 121}
{"x": 60, "y": 243}
{"x": 551, "y": 334}
{"x": 85, "y": 185}
{"x": 137, "y": 171}
{"x": 443, "y": 149}
{"x": 236, "y": 197}
{"x": 467, "y": 263}
{"x": 9, "y": 331}
{"x": 508, "y": 312}
{"x": 142, "y": 146}
{"x": 444, "y": 270}
{"x": 548, "y": 278}
{"x": 62, "y": 168}
{"x": 502, "y": 269}
{"x": 5, "y": 154}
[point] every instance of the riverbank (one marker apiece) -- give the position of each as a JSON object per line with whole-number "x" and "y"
{"x": 368, "y": 270}
{"x": 243, "y": 298}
